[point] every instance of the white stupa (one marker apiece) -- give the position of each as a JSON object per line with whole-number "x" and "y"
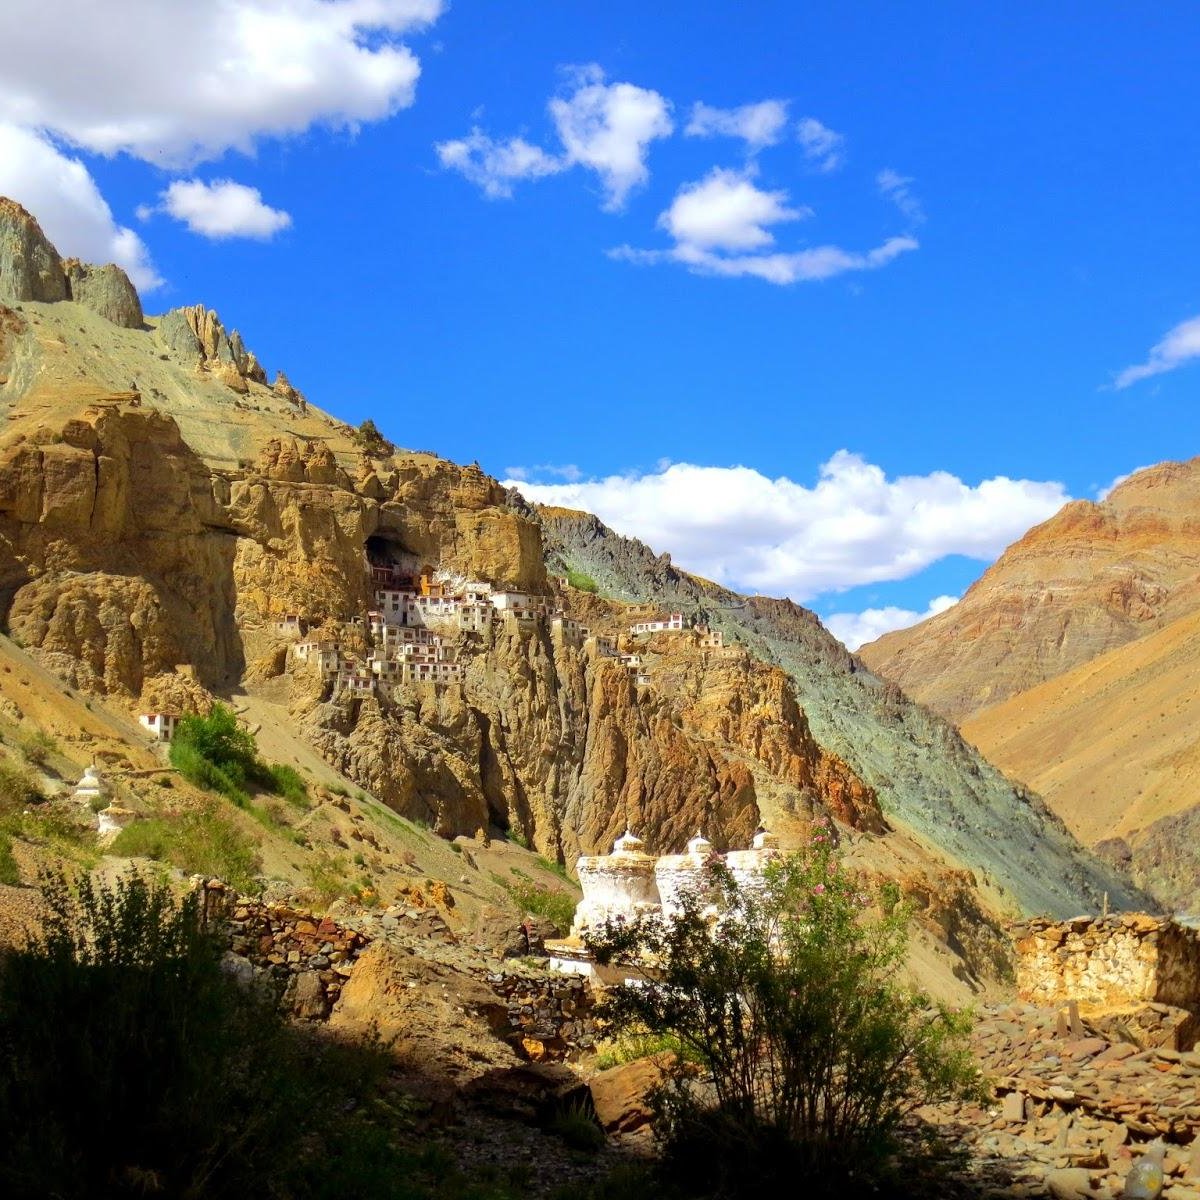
{"x": 619, "y": 885}
{"x": 676, "y": 873}
{"x": 91, "y": 789}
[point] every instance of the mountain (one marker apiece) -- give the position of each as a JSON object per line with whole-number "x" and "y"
{"x": 930, "y": 783}
{"x": 1073, "y": 665}
{"x": 1112, "y": 745}
{"x": 175, "y": 529}
{"x": 1094, "y": 577}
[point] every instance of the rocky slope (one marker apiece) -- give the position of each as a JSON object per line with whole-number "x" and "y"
{"x": 162, "y": 507}
{"x": 928, "y": 780}
{"x": 1093, "y": 577}
{"x": 1114, "y": 744}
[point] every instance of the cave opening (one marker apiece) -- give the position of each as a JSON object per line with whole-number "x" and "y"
{"x": 389, "y": 560}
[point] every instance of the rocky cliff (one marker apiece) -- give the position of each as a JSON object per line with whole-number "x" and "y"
{"x": 1093, "y": 577}
{"x": 31, "y": 269}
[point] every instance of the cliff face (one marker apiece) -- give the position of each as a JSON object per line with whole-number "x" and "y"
{"x": 929, "y": 782}
{"x": 1093, "y": 577}
{"x": 127, "y": 559}
{"x": 562, "y": 744}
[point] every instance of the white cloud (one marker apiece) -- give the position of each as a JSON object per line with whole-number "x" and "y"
{"x": 854, "y": 526}
{"x": 821, "y": 145}
{"x": 1179, "y": 347}
{"x": 608, "y": 127}
{"x": 800, "y": 266}
{"x": 220, "y": 209}
{"x": 720, "y": 227}
{"x": 857, "y": 629}
{"x": 725, "y": 211}
{"x": 605, "y": 127}
{"x": 176, "y": 83}
{"x": 758, "y": 125}
{"x": 496, "y": 166}
{"x": 897, "y": 188}
{"x": 61, "y": 193}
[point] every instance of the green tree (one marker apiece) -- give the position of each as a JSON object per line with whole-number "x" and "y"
{"x": 810, "y": 1050}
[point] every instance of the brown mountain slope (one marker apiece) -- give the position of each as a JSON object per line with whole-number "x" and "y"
{"x": 1112, "y": 745}
{"x": 1093, "y": 577}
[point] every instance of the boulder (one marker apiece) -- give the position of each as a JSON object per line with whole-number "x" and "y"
{"x": 621, "y": 1095}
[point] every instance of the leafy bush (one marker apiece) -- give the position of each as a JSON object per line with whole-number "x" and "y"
{"x": 813, "y": 1052}
{"x": 557, "y": 906}
{"x": 581, "y": 581}
{"x": 36, "y": 747}
{"x": 201, "y": 843}
{"x": 131, "y": 1064}
{"x": 367, "y": 435}
{"x": 206, "y": 774}
{"x": 217, "y": 754}
{"x": 18, "y": 787}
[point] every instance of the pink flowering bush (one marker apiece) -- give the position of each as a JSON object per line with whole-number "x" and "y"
{"x": 802, "y": 1051}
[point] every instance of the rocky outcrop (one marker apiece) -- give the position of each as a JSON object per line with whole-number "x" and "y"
{"x": 562, "y": 745}
{"x": 30, "y": 268}
{"x": 105, "y": 290}
{"x": 195, "y": 334}
{"x": 1093, "y": 577}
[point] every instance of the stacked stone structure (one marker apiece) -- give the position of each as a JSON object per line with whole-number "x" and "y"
{"x": 1118, "y": 961}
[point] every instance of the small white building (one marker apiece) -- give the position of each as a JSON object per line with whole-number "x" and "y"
{"x": 604, "y": 647}
{"x": 160, "y": 725}
{"x": 290, "y": 626}
{"x": 571, "y": 632}
{"x": 673, "y": 623}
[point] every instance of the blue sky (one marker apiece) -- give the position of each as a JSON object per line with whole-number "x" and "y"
{"x": 1004, "y": 202}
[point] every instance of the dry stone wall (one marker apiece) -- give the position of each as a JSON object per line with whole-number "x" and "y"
{"x": 311, "y": 955}
{"x": 1122, "y": 960}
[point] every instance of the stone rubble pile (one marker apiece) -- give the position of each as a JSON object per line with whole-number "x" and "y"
{"x": 1075, "y": 1109}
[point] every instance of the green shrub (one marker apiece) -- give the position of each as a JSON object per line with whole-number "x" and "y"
{"x": 327, "y": 876}
{"x": 18, "y": 787}
{"x": 367, "y": 435}
{"x": 206, "y": 774}
{"x": 557, "y": 906}
{"x": 132, "y": 1065}
{"x": 581, "y": 581}
{"x": 9, "y": 872}
{"x": 202, "y": 842}
{"x": 216, "y": 754}
{"x": 632, "y": 1044}
{"x": 576, "y": 1125}
{"x": 37, "y": 747}
{"x": 813, "y": 1052}
{"x": 288, "y": 783}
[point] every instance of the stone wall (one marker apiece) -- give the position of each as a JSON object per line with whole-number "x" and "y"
{"x": 311, "y": 956}
{"x": 1121, "y": 960}
{"x": 551, "y": 1018}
